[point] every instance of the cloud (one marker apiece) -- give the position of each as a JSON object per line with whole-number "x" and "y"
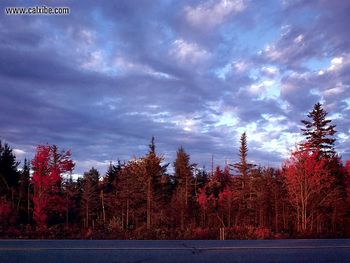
{"x": 18, "y": 152}
{"x": 337, "y": 90}
{"x": 188, "y": 53}
{"x": 270, "y": 71}
{"x": 104, "y": 79}
{"x": 213, "y": 13}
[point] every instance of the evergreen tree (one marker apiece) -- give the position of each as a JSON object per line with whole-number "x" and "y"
{"x": 319, "y": 132}
{"x": 131, "y": 195}
{"x": 112, "y": 176}
{"x": 25, "y": 192}
{"x": 90, "y": 197}
{"x": 109, "y": 191}
{"x": 154, "y": 168}
{"x": 152, "y": 146}
{"x": 183, "y": 185}
{"x": 9, "y": 175}
{"x": 200, "y": 179}
{"x": 243, "y": 167}
{"x": 72, "y": 194}
{"x": 154, "y": 188}
{"x": 218, "y": 182}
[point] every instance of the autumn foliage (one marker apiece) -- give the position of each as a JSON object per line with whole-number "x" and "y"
{"x": 48, "y": 167}
{"x": 311, "y": 190}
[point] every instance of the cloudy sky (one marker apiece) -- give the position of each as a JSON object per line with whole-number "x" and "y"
{"x": 105, "y": 78}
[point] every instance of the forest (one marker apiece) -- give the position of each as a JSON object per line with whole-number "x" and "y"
{"x": 308, "y": 196}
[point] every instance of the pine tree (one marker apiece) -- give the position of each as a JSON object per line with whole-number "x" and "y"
{"x": 320, "y": 141}
{"x": 109, "y": 191}
{"x": 200, "y": 178}
{"x": 90, "y": 197}
{"x": 152, "y": 146}
{"x": 183, "y": 185}
{"x": 9, "y": 175}
{"x": 131, "y": 195}
{"x": 72, "y": 195}
{"x": 153, "y": 178}
{"x": 25, "y": 191}
{"x": 319, "y": 132}
{"x": 243, "y": 167}
{"x": 111, "y": 177}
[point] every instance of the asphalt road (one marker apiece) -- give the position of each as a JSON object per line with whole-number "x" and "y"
{"x": 86, "y": 251}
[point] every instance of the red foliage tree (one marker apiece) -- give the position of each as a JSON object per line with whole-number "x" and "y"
{"x": 347, "y": 181}
{"x": 347, "y": 166}
{"x": 227, "y": 199}
{"x": 208, "y": 206}
{"x": 310, "y": 187}
{"x": 5, "y": 211}
{"x": 49, "y": 165}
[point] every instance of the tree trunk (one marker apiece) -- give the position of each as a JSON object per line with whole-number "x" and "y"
{"x": 87, "y": 215}
{"x": 67, "y": 211}
{"x": 28, "y": 204}
{"x": 127, "y": 213}
{"x": 149, "y": 204}
{"x": 276, "y": 215}
{"x": 229, "y": 214}
{"x": 182, "y": 220}
{"x": 103, "y": 208}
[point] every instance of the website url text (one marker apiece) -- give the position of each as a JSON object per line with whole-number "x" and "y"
{"x": 37, "y": 10}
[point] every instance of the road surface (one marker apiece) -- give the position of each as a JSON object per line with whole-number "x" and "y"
{"x": 111, "y": 251}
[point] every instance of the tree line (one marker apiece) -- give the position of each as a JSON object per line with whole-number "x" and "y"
{"x": 309, "y": 196}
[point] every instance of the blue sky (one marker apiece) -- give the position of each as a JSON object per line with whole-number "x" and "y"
{"x": 105, "y": 78}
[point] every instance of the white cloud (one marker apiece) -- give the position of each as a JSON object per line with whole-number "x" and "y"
{"x": 270, "y": 71}
{"x": 186, "y": 52}
{"x": 76, "y": 176}
{"x": 124, "y": 65}
{"x": 343, "y": 137}
{"x": 223, "y": 71}
{"x": 87, "y": 36}
{"x": 336, "y": 63}
{"x": 268, "y": 83}
{"x": 338, "y": 89}
{"x": 186, "y": 123}
{"x": 261, "y": 87}
{"x": 272, "y": 52}
{"x": 19, "y": 152}
{"x": 299, "y": 39}
{"x": 98, "y": 62}
{"x": 282, "y": 145}
{"x": 285, "y": 30}
{"x": 86, "y": 165}
{"x": 213, "y": 13}
{"x": 240, "y": 66}
{"x": 256, "y": 89}
{"x": 253, "y": 133}
{"x": 227, "y": 118}
{"x": 95, "y": 61}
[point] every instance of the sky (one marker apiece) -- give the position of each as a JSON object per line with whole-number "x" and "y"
{"x": 105, "y": 78}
